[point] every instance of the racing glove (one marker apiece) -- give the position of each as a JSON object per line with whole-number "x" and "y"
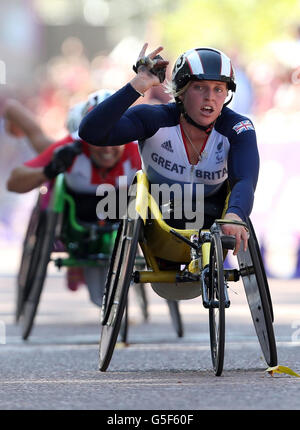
{"x": 62, "y": 159}
{"x": 160, "y": 72}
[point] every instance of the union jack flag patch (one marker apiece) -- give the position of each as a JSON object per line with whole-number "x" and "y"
{"x": 243, "y": 126}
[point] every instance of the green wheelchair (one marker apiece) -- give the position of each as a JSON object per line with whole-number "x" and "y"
{"x": 55, "y": 233}
{"x": 195, "y": 268}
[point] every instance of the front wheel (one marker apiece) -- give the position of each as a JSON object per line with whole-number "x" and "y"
{"x": 216, "y": 293}
{"x": 116, "y": 288}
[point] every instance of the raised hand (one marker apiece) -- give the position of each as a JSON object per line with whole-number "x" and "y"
{"x": 150, "y": 69}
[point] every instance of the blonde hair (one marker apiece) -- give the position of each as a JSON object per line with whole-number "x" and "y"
{"x": 171, "y": 89}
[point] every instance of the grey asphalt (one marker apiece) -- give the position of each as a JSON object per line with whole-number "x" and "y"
{"x": 57, "y": 368}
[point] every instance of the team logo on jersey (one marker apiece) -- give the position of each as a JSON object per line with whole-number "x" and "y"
{"x": 167, "y": 145}
{"x": 219, "y": 153}
{"x": 219, "y": 158}
{"x": 243, "y": 126}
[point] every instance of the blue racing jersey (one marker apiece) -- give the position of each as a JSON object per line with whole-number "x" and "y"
{"x": 230, "y": 152}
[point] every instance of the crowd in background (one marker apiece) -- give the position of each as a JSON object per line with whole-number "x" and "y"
{"x": 268, "y": 91}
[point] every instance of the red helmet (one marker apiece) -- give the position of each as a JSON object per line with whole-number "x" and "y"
{"x": 203, "y": 64}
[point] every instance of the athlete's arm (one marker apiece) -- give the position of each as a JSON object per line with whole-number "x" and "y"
{"x": 243, "y": 167}
{"x": 109, "y": 124}
{"x": 31, "y": 175}
{"x": 23, "y": 179}
{"x": 20, "y": 121}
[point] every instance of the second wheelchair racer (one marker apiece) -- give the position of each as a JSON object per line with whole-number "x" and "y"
{"x": 85, "y": 167}
{"x": 213, "y": 145}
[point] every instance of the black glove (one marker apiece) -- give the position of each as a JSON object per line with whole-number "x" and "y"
{"x": 160, "y": 72}
{"x": 62, "y": 159}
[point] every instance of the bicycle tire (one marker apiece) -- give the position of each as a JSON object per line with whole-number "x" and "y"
{"x": 216, "y": 285}
{"x": 33, "y": 299}
{"x": 117, "y": 288}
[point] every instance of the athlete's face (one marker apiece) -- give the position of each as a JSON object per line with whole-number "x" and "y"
{"x": 204, "y": 100}
{"x": 106, "y": 156}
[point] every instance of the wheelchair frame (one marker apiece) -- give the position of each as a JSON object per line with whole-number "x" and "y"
{"x": 202, "y": 254}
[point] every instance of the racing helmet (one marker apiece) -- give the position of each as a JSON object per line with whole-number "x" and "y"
{"x": 78, "y": 111}
{"x": 95, "y": 98}
{"x": 203, "y": 64}
{"x": 74, "y": 117}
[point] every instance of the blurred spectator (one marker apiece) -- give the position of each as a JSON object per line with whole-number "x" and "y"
{"x": 243, "y": 98}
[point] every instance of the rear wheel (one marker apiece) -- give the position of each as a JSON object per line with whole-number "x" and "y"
{"x": 216, "y": 285}
{"x": 142, "y": 300}
{"x": 173, "y": 306}
{"x": 117, "y": 285}
{"x": 43, "y": 251}
{"x": 28, "y": 260}
{"x": 255, "y": 250}
{"x": 258, "y": 297}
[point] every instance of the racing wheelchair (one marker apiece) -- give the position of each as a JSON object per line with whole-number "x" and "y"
{"x": 195, "y": 268}
{"x": 55, "y": 233}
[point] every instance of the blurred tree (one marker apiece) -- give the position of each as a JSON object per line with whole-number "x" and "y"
{"x": 247, "y": 26}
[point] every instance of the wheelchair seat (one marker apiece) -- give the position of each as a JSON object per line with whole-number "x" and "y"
{"x": 163, "y": 251}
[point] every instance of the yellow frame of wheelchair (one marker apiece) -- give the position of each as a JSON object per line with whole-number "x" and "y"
{"x": 158, "y": 242}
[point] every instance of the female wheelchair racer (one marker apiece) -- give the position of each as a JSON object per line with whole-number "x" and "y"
{"x": 194, "y": 140}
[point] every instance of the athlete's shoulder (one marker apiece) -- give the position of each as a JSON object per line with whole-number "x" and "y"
{"x": 231, "y": 123}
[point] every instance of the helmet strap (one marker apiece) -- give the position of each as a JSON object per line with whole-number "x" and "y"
{"x": 207, "y": 129}
{"x": 227, "y": 103}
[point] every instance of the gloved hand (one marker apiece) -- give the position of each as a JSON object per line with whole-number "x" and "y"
{"x": 62, "y": 159}
{"x": 159, "y": 71}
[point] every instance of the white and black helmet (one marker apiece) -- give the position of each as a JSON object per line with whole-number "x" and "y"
{"x": 74, "y": 117}
{"x": 203, "y": 64}
{"x": 95, "y": 98}
{"x": 78, "y": 111}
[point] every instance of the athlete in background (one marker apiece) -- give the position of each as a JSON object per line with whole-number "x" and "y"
{"x": 85, "y": 167}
